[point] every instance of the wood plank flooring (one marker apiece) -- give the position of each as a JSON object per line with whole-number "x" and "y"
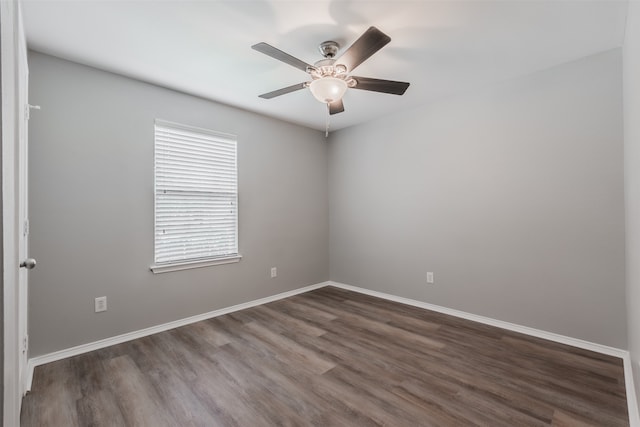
{"x": 331, "y": 358}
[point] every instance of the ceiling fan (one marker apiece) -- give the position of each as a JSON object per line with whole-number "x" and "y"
{"x": 330, "y": 77}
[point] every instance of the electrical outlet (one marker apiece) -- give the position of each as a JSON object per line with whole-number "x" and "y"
{"x": 429, "y": 277}
{"x": 101, "y": 304}
{"x": 274, "y": 272}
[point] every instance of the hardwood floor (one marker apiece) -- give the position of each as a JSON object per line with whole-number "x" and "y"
{"x": 331, "y": 358}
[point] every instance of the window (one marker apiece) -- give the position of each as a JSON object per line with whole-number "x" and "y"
{"x": 196, "y": 198}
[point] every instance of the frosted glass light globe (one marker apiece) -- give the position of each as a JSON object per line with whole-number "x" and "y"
{"x": 328, "y": 89}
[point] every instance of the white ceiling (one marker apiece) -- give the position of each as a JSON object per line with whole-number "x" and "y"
{"x": 204, "y": 47}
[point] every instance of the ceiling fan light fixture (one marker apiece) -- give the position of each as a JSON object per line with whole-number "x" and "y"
{"x": 328, "y": 89}
{"x": 331, "y": 76}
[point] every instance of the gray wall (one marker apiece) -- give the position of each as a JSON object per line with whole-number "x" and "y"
{"x": 91, "y": 203}
{"x": 632, "y": 182}
{"x": 512, "y": 196}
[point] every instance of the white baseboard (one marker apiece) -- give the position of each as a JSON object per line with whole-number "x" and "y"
{"x": 632, "y": 403}
{"x": 634, "y": 418}
{"x": 85, "y": 348}
{"x": 575, "y": 342}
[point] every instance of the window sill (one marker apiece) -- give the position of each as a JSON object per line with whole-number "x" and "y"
{"x": 167, "y": 268}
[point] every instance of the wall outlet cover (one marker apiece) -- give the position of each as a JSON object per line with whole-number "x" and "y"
{"x": 101, "y": 304}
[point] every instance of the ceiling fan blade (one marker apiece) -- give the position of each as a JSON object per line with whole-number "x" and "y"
{"x": 283, "y": 91}
{"x": 273, "y": 52}
{"x": 378, "y": 85}
{"x": 369, "y": 43}
{"x": 336, "y": 107}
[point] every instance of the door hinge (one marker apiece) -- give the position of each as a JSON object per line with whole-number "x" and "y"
{"x": 28, "y": 108}
{"x": 25, "y": 343}
{"x": 25, "y": 227}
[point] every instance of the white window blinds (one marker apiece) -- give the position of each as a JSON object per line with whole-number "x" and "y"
{"x": 196, "y": 194}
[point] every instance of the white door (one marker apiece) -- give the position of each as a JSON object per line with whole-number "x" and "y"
{"x": 13, "y": 79}
{"x": 23, "y": 205}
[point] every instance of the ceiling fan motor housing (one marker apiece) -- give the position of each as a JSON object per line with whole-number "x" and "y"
{"x": 328, "y": 68}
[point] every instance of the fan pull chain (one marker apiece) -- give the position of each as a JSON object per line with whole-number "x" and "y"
{"x": 326, "y": 129}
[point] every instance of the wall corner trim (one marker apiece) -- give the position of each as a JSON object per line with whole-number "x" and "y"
{"x": 632, "y": 405}
{"x": 118, "y": 339}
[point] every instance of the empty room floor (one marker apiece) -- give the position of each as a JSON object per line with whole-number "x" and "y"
{"x": 331, "y": 357}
